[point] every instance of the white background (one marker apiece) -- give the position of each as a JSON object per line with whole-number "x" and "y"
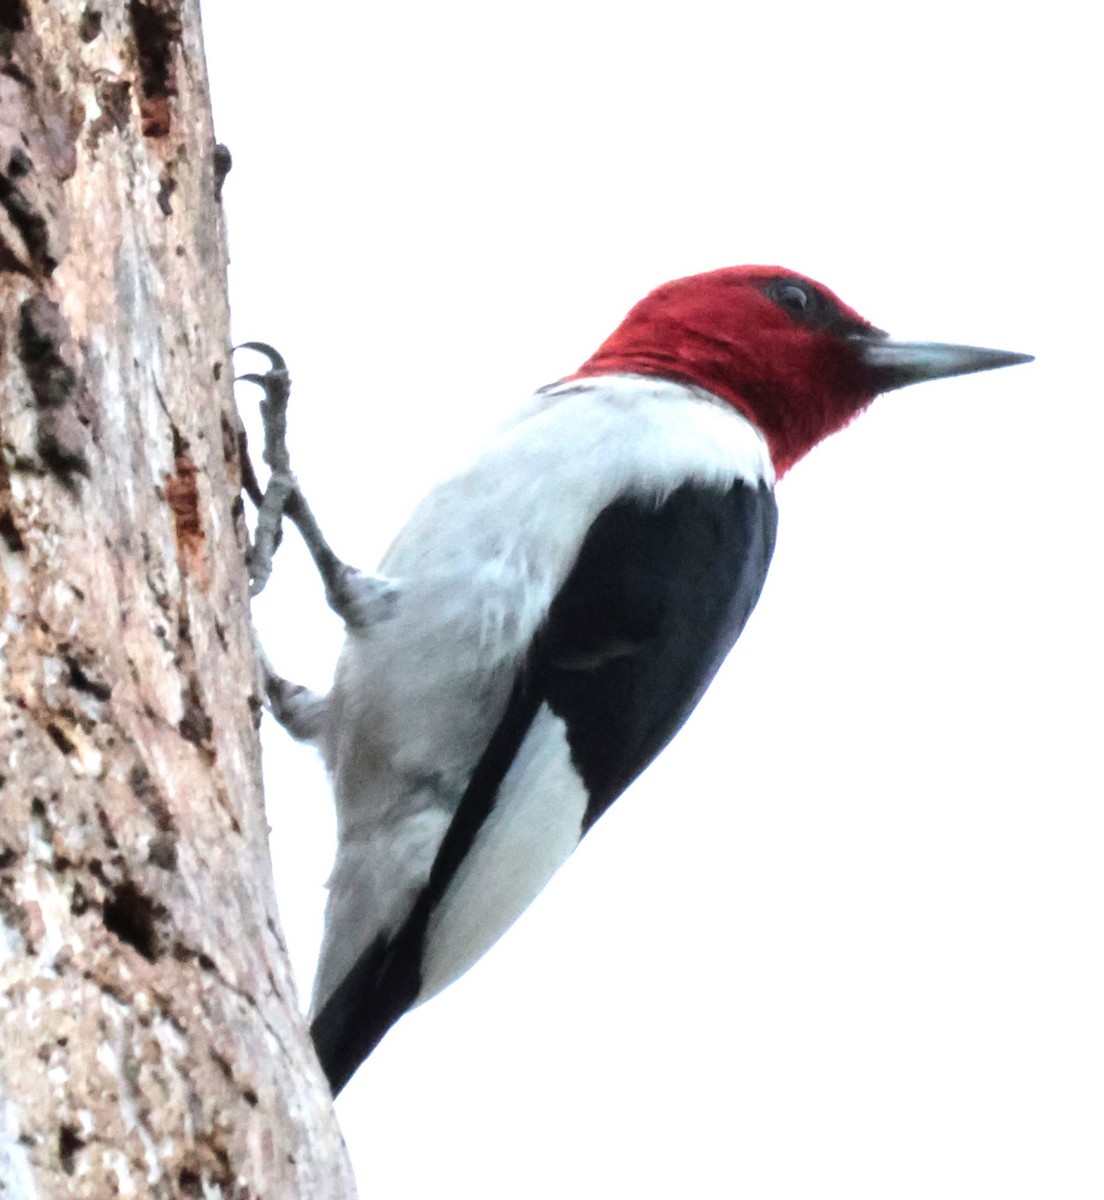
{"x": 844, "y": 938}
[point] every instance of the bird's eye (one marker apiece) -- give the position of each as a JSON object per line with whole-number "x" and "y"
{"x": 792, "y": 298}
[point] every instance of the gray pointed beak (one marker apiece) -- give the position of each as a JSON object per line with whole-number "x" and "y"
{"x": 897, "y": 364}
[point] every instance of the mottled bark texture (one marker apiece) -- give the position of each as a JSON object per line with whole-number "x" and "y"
{"x": 149, "y": 1037}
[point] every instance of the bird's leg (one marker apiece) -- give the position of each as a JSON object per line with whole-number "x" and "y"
{"x": 299, "y": 710}
{"x": 359, "y": 600}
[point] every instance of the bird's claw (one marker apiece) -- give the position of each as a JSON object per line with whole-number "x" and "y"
{"x": 359, "y": 599}
{"x": 275, "y": 358}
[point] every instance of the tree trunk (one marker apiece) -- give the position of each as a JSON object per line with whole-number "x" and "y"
{"x": 150, "y": 1042}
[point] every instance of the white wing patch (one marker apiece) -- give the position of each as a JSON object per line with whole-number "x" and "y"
{"x": 531, "y": 832}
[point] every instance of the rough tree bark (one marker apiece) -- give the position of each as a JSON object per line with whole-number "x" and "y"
{"x": 149, "y": 1038}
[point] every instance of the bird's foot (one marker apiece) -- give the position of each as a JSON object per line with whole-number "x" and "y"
{"x": 272, "y": 501}
{"x": 358, "y": 599}
{"x": 299, "y": 710}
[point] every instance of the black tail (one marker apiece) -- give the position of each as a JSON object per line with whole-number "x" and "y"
{"x": 381, "y": 986}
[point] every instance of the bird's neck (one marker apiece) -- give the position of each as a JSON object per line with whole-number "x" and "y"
{"x": 791, "y": 418}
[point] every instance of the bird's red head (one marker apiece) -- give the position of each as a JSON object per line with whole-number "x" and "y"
{"x": 784, "y": 350}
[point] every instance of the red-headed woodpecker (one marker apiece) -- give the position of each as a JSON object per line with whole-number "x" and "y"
{"x": 555, "y": 611}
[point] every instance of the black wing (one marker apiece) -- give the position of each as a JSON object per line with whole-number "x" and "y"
{"x": 654, "y": 602}
{"x": 657, "y": 598}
